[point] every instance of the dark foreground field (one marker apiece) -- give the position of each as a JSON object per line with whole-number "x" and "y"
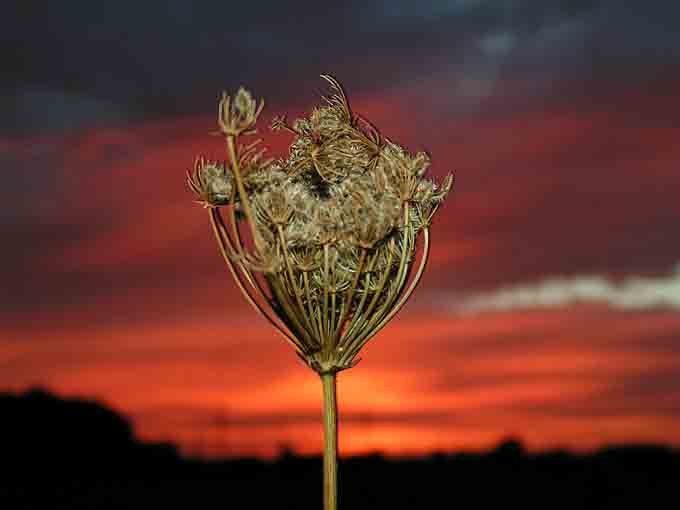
{"x": 67, "y": 454}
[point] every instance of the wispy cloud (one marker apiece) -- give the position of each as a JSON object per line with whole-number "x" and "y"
{"x": 633, "y": 293}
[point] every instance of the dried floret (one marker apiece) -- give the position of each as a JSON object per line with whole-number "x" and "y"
{"x": 211, "y": 183}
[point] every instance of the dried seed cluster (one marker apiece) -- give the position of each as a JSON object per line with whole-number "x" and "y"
{"x": 334, "y": 224}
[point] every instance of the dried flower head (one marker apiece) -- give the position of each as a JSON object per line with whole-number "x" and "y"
{"x": 238, "y": 116}
{"x": 211, "y": 182}
{"x": 335, "y": 224}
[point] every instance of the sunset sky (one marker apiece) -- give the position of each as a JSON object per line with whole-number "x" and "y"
{"x": 550, "y": 309}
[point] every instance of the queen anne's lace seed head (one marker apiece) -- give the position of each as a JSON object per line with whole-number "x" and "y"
{"x": 338, "y": 216}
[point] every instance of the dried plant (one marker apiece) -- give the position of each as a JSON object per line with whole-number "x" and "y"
{"x": 330, "y": 235}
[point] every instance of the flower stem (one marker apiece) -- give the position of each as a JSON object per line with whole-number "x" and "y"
{"x": 245, "y": 202}
{"x": 330, "y": 435}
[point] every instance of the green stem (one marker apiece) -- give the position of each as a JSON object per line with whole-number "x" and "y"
{"x": 330, "y": 436}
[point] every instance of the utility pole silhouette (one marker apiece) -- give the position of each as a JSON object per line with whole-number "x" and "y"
{"x": 221, "y": 446}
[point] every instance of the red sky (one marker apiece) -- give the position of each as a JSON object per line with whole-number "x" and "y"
{"x": 549, "y": 311}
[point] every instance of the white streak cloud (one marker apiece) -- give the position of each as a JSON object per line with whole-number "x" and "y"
{"x": 633, "y": 293}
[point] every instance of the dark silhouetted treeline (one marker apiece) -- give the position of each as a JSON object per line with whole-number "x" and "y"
{"x": 73, "y": 454}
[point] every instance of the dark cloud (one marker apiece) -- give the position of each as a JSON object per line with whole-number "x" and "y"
{"x": 653, "y": 392}
{"x": 564, "y": 192}
{"x": 86, "y": 64}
